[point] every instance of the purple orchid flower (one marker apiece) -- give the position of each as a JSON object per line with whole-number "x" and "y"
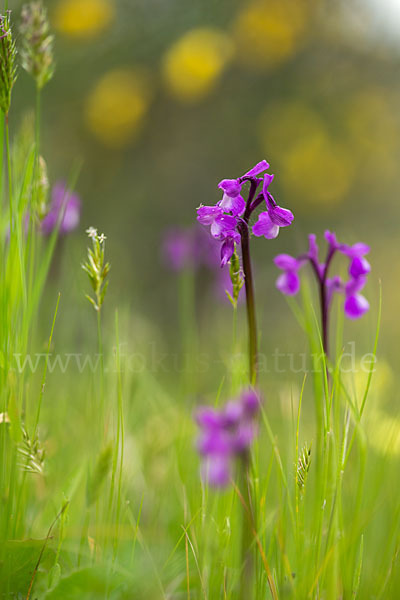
{"x": 229, "y": 222}
{"x": 228, "y": 246}
{"x": 233, "y": 187}
{"x": 230, "y": 216}
{"x": 226, "y": 434}
{"x": 355, "y": 305}
{"x": 359, "y": 265}
{"x": 65, "y": 209}
{"x": 289, "y": 282}
{"x": 269, "y": 223}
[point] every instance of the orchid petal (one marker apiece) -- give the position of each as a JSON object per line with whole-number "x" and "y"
{"x": 287, "y": 262}
{"x": 359, "y": 266}
{"x": 231, "y": 187}
{"x": 288, "y": 283}
{"x": 235, "y": 205}
{"x": 356, "y": 306}
{"x": 257, "y": 169}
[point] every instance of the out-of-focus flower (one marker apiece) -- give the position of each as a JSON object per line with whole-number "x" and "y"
{"x": 289, "y": 282}
{"x": 226, "y": 434}
{"x": 178, "y": 248}
{"x": 116, "y": 107}
{"x": 355, "y": 304}
{"x": 193, "y": 248}
{"x": 83, "y": 18}
{"x": 315, "y": 160}
{"x": 308, "y": 155}
{"x": 37, "y": 43}
{"x": 373, "y": 126}
{"x": 193, "y": 64}
{"x": 270, "y": 32}
{"x": 8, "y": 64}
{"x": 64, "y": 211}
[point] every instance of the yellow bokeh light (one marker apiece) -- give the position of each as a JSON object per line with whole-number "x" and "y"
{"x": 268, "y": 33}
{"x": 192, "y": 66}
{"x": 374, "y": 129}
{"x": 116, "y": 107}
{"x": 384, "y": 434}
{"x": 82, "y": 18}
{"x": 315, "y": 168}
{"x": 318, "y": 169}
{"x": 383, "y": 428}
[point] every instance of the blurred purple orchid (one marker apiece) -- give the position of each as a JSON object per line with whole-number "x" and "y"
{"x": 226, "y": 434}
{"x": 64, "y": 211}
{"x": 193, "y": 248}
{"x": 355, "y": 305}
{"x": 178, "y": 249}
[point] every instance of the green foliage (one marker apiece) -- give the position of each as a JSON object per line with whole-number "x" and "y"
{"x": 97, "y": 478}
{"x": 20, "y": 558}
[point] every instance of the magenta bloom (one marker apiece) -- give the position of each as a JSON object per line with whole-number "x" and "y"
{"x": 178, "y": 249}
{"x": 230, "y": 216}
{"x": 355, "y": 304}
{"x": 226, "y": 434}
{"x": 233, "y": 187}
{"x": 269, "y": 222}
{"x": 65, "y": 209}
{"x": 289, "y": 282}
{"x": 192, "y": 247}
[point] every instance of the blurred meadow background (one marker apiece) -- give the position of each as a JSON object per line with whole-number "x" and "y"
{"x": 152, "y": 103}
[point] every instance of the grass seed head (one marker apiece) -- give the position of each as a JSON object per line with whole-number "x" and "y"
{"x": 37, "y": 43}
{"x": 8, "y": 62}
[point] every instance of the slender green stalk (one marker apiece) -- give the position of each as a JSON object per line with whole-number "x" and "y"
{"x": 101, "y": 357}
{"x": 42, "y": 387}
{"x": 9, "y": 170}
{"x": 247, "y": 566}
{"x": 119, "y": 444}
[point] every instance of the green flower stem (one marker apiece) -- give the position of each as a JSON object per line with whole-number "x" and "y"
{"x": 8, "y": 152}
{"x": 246, "y": 579}
{"x": 100, "y": 349}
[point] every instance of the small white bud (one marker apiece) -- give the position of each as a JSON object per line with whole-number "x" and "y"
{"x": 92, "y": 232}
